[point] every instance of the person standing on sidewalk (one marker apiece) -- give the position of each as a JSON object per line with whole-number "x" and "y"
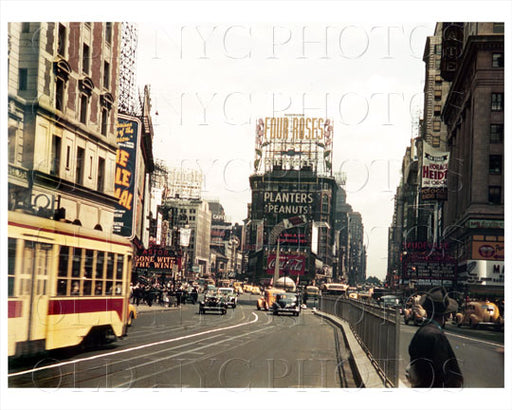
{"x": 433, "y": 362}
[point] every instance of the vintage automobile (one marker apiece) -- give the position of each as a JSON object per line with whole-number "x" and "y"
{"x": 213, "y": 302}
{"x": 480, "y": 313}
{"x": 268, "y": 298}
{"x": 390, "y": 301}
{"x": 230, "y": 295}
{"x": 255, "y": 290}
{"x": 287, "y": 302}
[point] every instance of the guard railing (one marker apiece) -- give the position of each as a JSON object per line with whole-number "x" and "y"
{"x": 376, "y": 328}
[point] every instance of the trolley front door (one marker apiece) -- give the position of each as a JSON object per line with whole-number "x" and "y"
{"x": 36, "y": 269}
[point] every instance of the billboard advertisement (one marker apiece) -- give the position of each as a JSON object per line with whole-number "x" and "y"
{"x": 128, "y": 137}
{"x": 289, "y": 264}
{"x": 434, "y": 172}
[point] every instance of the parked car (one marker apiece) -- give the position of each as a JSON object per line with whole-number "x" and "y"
{"x": 213, "y": 302}
{"x": 230, "y": 295}
{"x": 268, "y": 298}
{"x": 255, "y": 290}
{"x": 286, "y": 303}
{"x": 481, "y": 313}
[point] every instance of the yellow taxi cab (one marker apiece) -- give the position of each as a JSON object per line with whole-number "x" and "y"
{"x": 268, "y": 298}
{"x": 480, "y": 313}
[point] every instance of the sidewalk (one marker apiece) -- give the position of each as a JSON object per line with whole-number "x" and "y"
{"x": 143, "y": 307}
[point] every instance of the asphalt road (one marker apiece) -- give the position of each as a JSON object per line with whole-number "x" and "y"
{"x": 179, "y": 348}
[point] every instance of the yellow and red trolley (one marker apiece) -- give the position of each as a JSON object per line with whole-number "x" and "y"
{"x": 66, "y": 284}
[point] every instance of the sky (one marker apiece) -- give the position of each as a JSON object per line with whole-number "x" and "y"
{"x": 210, "y": 82}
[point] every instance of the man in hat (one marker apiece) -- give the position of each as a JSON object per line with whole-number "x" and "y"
{"x": 433, "y": 362}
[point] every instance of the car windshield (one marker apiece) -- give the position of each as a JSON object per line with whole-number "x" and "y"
{"x": 226, "y": 291}
{"x": 286, "y": 297}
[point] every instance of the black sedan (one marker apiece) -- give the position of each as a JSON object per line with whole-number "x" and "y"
{"x": 213, "y": 302}
{"x": 286, "y": 303}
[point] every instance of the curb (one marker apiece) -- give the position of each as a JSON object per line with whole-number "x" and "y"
{"x": 366, "y": 371}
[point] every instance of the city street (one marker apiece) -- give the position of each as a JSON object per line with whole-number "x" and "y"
{"x": 178, "y": 348}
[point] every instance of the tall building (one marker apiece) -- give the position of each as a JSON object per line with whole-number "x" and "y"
{"x": 63, "y": 92}
{"x": 451, "y": 233}
{"x": 293, "y": 200}
{"x": 190, "y": 217}
{"x": 474, "y": 116}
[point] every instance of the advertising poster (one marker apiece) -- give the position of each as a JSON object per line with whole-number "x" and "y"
{"x": 289, "y": 264}
{"x": 128, "y": 136}
{"x": 434, "y": 174}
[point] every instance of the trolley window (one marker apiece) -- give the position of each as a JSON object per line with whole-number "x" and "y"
{"x": 63, "y": 269}
{"x": 88, "y": 271}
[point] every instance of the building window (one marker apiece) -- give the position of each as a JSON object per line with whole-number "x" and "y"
{"x": 106, "y": 75}
{"x": 437, "y": 49}
{"x": 22, "y": 79}
{"x": 437, "y": 94}
{"x": 495, "y": 194}
{"x": 84, "y": 103}
{"x": 59, "y": 94}
{"x": 25, "y": 27}
{"x": 61, "y": 45}
{"x": 496, "y": 136}
{"x": 104, "y": 121}
{"x": 86, "y": 58}
{"x": 497, "y": 102}
{"x": 68, "y": 157}
{"x": 497, "y": 60}
{"x": 437, "y": 109}
{"x": 55, "y": 159}
{"x": 12, "y": 143}
{"x": 108, "y": 33}
{"x": 495, "y": 164}
{"x": 79, "y": 169}
{"x": 437, "y": 126}
{"x": 498, "y": 28}
{"x": 101, "y": 174}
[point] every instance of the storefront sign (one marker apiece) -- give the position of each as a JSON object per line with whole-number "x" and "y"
{"x": 128, "y": 136}
{"x": 486, "y": 224}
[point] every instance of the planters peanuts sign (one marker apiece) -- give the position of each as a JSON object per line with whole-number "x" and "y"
{"x": 128, "y": 136}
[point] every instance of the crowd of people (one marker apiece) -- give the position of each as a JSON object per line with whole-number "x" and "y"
{"x": 164, "y": 294}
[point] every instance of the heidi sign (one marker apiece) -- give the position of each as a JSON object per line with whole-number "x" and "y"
{"x": 434, "y": 172}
